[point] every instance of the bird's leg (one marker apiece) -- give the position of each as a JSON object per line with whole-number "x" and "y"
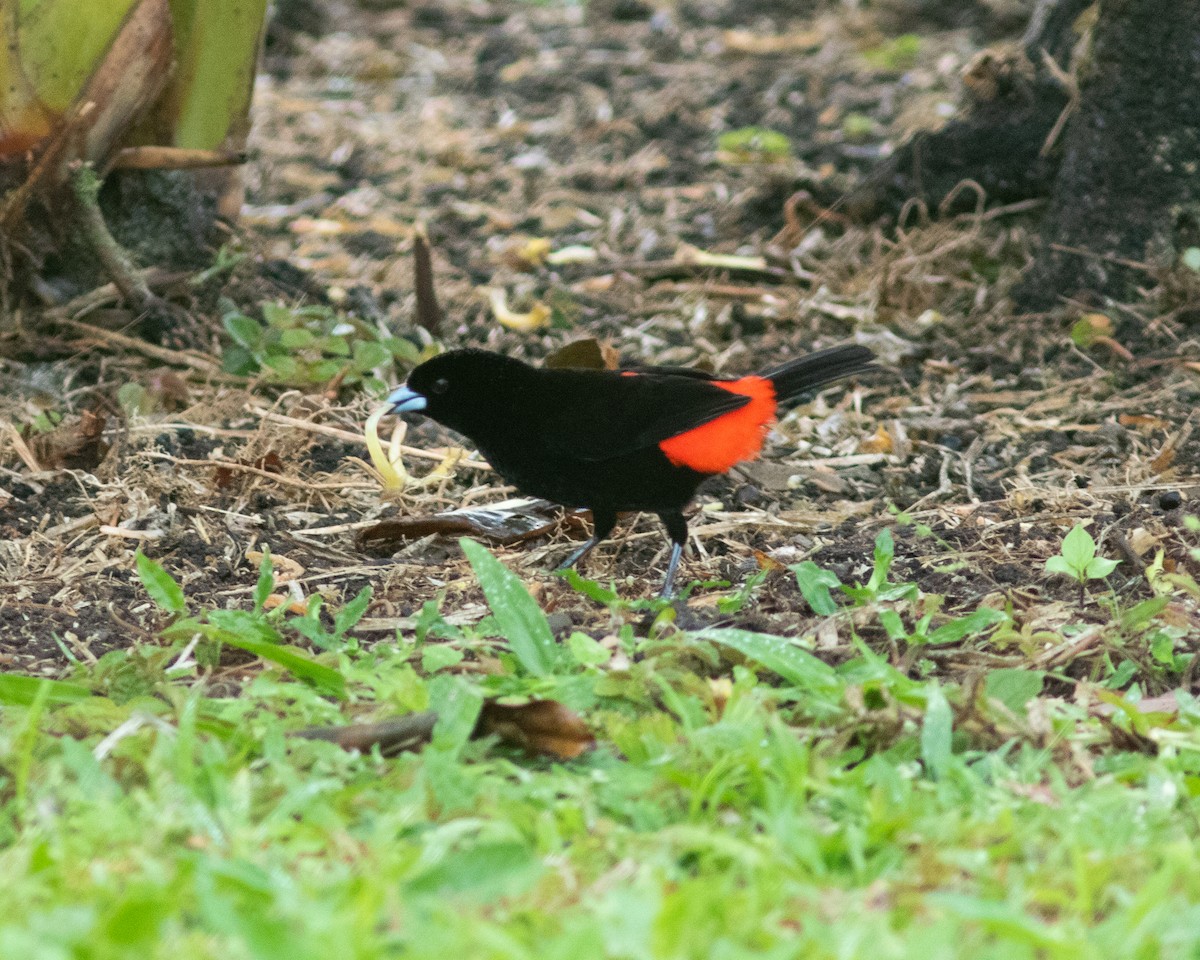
{"x": 676, "y": 525}
{"x": 603, "y": 522}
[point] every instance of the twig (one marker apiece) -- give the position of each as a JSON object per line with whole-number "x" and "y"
{"x": 429, "y": 314}
{"x": 174, "y": 158}
{"x": 81, "y": 306}
{"x": 183, "y": 358}
{"x": 85, "y": 186}
{"x": 350, "y": 437}
{"x": 1109, "y": 257}
{"x": 258, "y": 472}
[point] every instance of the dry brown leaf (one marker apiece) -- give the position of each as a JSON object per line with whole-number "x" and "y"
{"x": 167, "y": 389}
{"x": 223, "y": 476}
{"x": 881, "y": 442}
{"x": 540, "y": 726}
{"x": 1164, "y": 460}
{"x": 767, "y": 562}
{"x": 292, "y": 605}
{"x": 589, "y": 354}
{"x": 285, "y": 567}
{"x": 1142, "y": 541}
{"x": 513, "y": 521}
{"x": 72, "y": 445}
{"x": 1142, "y": 420}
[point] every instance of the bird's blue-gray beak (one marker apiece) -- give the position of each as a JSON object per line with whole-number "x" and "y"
{"x": 404, "y": 400}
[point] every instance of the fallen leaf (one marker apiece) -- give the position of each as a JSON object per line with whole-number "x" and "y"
{"x": 766, "y": 562}
{"x": 291, "y": 604}
{"x": 537, "y": 317}
{"x": 513, "y": 521}
{"x": 72, "y": 445}
{"x": 540, "y": 726}
{"x": 881, "y": 442}
{"x": 224, "y": 476}
{"x": 1142, "y": 541}
{"x": 389, "y": 466}
{"x": 589, "y": 354}
{"x": 285, "y": 568}
{"x": 1142, "y": 420}
{"x": 167, "y": 389}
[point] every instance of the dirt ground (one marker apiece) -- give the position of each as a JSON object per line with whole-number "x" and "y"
{"x": 497, "y": 123}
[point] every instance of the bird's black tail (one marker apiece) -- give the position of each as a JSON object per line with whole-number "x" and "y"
{"x": 798, "y": 376}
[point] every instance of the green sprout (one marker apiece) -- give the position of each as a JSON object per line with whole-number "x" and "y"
{"x": 1077, "y": 559}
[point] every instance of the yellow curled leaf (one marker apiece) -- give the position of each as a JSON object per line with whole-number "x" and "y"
{"x": 391, "y": 470}
{"x": 536, "y": 318}
{"x": 535, "y": 251}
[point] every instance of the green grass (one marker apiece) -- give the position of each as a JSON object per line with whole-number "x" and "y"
{"x": 746, "y": 798}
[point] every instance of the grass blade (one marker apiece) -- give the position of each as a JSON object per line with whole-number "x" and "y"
{"x": 520, "y": 618}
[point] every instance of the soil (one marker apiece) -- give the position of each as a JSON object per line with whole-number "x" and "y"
{"x": 982, "y": 440}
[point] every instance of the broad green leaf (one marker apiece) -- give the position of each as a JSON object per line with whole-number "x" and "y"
{"x": 438, "y": 656}
{"x": 975, "y": 622}
{"x": 1057, "y": 564}
{"x": 892, "y": 624}
{"x": 296, "y": 662}
{"x": 1078, "y": 547}
{"x": 297, "y": 338}
{"x": 285, "y": 367}
{"x": 780, "y": 655}
{"x": 352, "y": 612}
{"x": 1100, "y": 567}
{"x": 245, "y": 330}
{"x": 1014, "y": 687}
{"x": 936, "y": 733}
{"x": 369, "y": 354}
{"x": 519, "y": 617}
{"x": 586, "y": 651}
{"x": 279, "y": 317}
{"x": 589, "y": 588}
{"x": 815, "y": 584}
{"x": 1143, "y": 613}
{"x": 457, "y": 703}
{"x": 20, "y": 691}
{"x": 1162, "y": 648}
{"x": 161, "y": 586}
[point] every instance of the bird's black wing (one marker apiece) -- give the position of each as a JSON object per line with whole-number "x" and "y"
{"x": 622, "y": 412}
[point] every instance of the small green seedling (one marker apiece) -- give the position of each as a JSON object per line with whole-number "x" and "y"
{"x": 753, "y": 145}
{"x": 1077, "y": 558}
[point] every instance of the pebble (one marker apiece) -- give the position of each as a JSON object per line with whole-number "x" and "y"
{"x": 1169, "y": 500}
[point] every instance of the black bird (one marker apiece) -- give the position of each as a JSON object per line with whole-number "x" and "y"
{"x": 613, "y": 440}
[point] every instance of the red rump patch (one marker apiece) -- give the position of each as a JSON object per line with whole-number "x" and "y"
{"x": 716, "y": 446}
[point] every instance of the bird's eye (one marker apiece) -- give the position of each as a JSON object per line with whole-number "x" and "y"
{"x": 439, "y": 386}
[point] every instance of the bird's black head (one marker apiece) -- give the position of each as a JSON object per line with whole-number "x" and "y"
{"x": 459, "y": 388}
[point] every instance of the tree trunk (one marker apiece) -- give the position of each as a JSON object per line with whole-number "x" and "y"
{"x": 999, "y": 141}
{"x": 1128, "y": 188}
{"x": 1119, "y": 158}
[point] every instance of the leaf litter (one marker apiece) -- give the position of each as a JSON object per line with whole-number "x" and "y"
{"x": 558, "y": 132}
